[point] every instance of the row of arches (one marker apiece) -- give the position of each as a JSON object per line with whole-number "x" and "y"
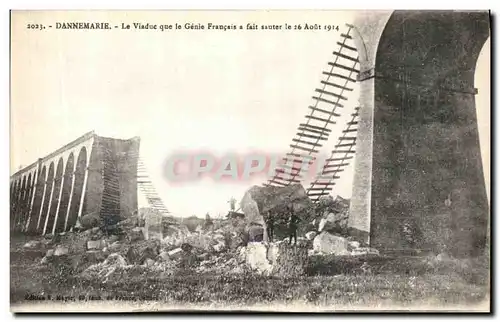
{"x": 50, "y": 199}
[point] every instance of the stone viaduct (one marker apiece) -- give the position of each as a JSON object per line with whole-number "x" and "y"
{"x": 91, "y": 174}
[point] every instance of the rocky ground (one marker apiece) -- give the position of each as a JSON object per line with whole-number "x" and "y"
{"x": 218, "y": 266}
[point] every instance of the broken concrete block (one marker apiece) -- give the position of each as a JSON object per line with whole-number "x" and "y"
{"x": 256, "y": 257}
{"x": 238, "y": 238}
{"x": 113, "y": 238}
{"x": 89, "y": 221}
{"x": 242, "y": 253}
{"x": 115, "y": 260}
{"x": 140, "y": 251}
{"x": 219, "y": 236}
{"x": 219, "y": 247}
{"x": 175, "y": 253}
{"x": 272, "y": 252}
{"x": 90, "y": 256}
{"x": 149, "y": 262}
{"x": 204, "y": 256}
{"x": 114, "y": 247}
{"x": 164, "y": 256}
{"x": 364, "y": 251}
{"x": 186, "y": 247}
{"x": 50, "y": 253}
{"x": 322, "y": 224}
{"x": 310, "y": 235}
{"x": 330, "y": 223}
{"x": 135, "y": 234}
{"x": 331, "y": 244}
{"x": 95, "y": 244}
{"x": 354, "y": 244}
{"x": 232, "y": 262}
{"x": 325, "y": 200}
{"x": 32, "y": 244}
{"x": 153, "y": 228}
{"x": 61, "y": 250}
{"x": 188, "y": 260}
{"x": 289, "y": 260}
{"x": 255, "y": 233}
{"x": 171, "y": 230}
{"x": 236, "y": 270}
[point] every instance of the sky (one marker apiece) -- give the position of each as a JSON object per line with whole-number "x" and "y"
{"x": 223, "y": 92}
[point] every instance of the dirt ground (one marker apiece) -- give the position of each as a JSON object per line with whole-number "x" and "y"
{"x": 331, "y": 283}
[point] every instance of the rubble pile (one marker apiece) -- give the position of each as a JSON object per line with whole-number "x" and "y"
{"x": 105, "y": 269}
{"x": 147, "y": 241}
{"x": 331, "y": 244}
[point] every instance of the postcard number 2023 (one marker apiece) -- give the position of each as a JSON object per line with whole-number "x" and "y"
{"x": 35, "y": 26}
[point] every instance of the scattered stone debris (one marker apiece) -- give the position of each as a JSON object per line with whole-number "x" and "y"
{"x": 256, "y": 258}
{"x": 88, "y": 221}
{"x": 60, "y": 251}
{"x": 95, "y": 244}
{"x": 151, "y": 242}
{"x": 135, "y": 234}
{"x": 32, "y": 244}
{"x": 50, "y": 253}
{"x": 333, "y": 214}
{"x": 310, "y": 235}
{"x": 327, "y": 243}
{"x": 153, "y": 228}
{"x": 105, "y": 269}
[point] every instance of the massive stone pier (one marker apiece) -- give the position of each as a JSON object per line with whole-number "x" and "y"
{"x": 418, "y": 180}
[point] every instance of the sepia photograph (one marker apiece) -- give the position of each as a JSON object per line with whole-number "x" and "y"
{"x": 250, "y": 160}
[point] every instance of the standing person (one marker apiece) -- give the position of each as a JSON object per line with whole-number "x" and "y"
{"x": 232, "y": 204}
{"x": 293, "y": 222}
{"x": 208, "y": 222}
{"x": 270, "y": 226}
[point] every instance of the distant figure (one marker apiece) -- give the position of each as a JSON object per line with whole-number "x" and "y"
{"x": 293, "y": 222}
{"x": 232, "y": 204}
{"x": 208, "y": 221}
{"x": 270, "y": 221}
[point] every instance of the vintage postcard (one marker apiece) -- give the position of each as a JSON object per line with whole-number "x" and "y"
{"x": 278, "y": 161}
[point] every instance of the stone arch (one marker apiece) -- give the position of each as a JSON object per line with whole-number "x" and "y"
{"x": 37, "y": 201}
{"x": 55, "y": 196}
{"x": 13, "y": 187}
{"x": 421, "y": 123}
{"x": 65, "y": 194}
{"x": 26, "y": 202}
{"x": 29, "y": 211}
{"x": 20, "y": 203}
{"x": 15, "y": 202}
{"x": 81, "y": 166}
{"x": 46, "y": 201}
{"x": 17, "y": 197}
